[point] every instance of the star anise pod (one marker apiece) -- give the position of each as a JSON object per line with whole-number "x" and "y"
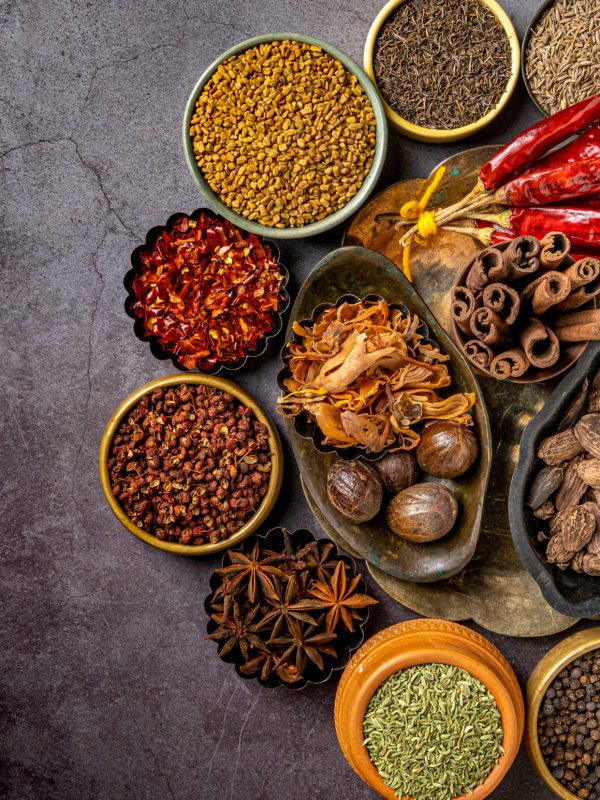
{"x": 287, "y": 605}
{"x": 239, "y": 629}
{"x": 316, "y": 556}
{"x": 257, "y": 572}
{"x": 340, "y": 598}
{"x": 300, "y": 643}
{"x": 265, "y": 662}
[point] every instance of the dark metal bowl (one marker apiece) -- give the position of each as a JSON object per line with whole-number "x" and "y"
{"x": 156, "y": 348}
{"x": 346, "y": 641}
{"x": 568, "y": 592}
{"x": 525, "y": 44}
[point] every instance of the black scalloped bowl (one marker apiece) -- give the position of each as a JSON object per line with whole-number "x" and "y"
{"x": 165, "y": 355}
{"x": 346, "y": 641}
{"x": 568, "y": 592}
{"x": 303, "y": 424}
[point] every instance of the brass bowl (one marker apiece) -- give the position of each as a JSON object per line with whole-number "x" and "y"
{"x": 540, "y": 679}
{"x": 275, "y": 452}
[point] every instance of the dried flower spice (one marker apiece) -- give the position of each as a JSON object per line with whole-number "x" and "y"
{"x": 208, "y": 292}
{"x": 367, "y": 377}
{"x": 442, "y": 64}
{"x": 282, "y": 614}
{"x": 284, "y": 134}
{"x": 433, "y": 731}
{"x": 191, "y": 464}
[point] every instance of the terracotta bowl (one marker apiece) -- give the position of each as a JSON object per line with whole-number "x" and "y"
{"x": 540, "y": 679}
{"x": 569, "y": 353}
{"x": 425, "y": 641}
{"x": 275, "y": 452}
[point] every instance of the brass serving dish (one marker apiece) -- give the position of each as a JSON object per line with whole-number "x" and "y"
{"x": 276, "y": 455}
{"x": 540, "y": 679}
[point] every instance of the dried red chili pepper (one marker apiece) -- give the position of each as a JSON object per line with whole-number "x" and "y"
{"x": 537, "y": 140}
{"x": 586, "y": 145}
{"x": 208, "y": 292}
{"x": 580, "y": 225}
{"x": 576, "y": 179}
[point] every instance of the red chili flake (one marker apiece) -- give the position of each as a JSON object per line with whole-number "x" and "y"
{"x": 208, "y": 292}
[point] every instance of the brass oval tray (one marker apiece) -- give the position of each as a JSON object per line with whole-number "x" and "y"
{"x": 495, "y": 589}
{"x": 365, "y": 272}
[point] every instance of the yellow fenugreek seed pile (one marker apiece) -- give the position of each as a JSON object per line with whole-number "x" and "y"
{"x": 284, "y": 134}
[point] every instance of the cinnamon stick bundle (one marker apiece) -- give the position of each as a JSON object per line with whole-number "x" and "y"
{"x": 503, "y": 300}
{"x": 489, "y": 327}
{"x": 488, "y": 267}
{"x": 463, "y": 304}
{"x": 479, "y": 353}
{"x": 583, "y": 272}
{"x": 510, "y": 364}
{"x": 554, "y": 248}
{"x": 521, "y": 257}
{"x": 540, "y": 344}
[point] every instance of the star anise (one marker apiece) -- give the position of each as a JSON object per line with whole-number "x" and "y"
{"x": 301, "y": 642}
{"x": 316, "y": 556}
{"x": 256, "y": 571}
{"x": 340, "y": 598}
{"x": 239, "y": 629}
{"x": 287, "y": 605}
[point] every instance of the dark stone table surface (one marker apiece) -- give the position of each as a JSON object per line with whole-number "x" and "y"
{"x": 109, "y": 690}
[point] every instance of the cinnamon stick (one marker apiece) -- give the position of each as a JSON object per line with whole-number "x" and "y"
{"x": 510, "y": 364}
{"x": 479, "y": 353}
{"x": 540, "y": 344}
{"x": 503, "y": 300}
{"x": 582, "y": 332}
{"x": 488, "y": 266}
{"x": 580, "y": 296}
{"x": 463, "y": 304}
{"x": 489, "y": 327}
{"x": 583, "y": 272}
{"x": 554, "y": 248}
{"x": 521, "y": 257}
{"x": 577, "y": 318}
{"x": 553, "y": 288}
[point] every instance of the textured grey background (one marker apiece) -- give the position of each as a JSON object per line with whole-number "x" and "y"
{"x": 108, "y": 689}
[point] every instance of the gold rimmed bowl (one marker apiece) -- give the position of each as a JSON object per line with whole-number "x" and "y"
{"x": 539, "y": 682}
{"x": 275, "y": 455}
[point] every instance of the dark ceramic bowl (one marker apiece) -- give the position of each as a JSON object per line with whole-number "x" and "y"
{"x": 304, "y": 425}
{"x": 569, "y": 353}
{"x": 156, "y": 348}
{"x": 568, "y": 592}
{"x": 346, "y": 642}
{"x": 534, "y": 21}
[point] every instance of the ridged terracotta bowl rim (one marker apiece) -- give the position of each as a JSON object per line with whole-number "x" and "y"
{"x": 425, "y": 641}
{"x": 275, "y": 452}
{"x": 157, "y": 350}
{"x": 540, "y": 679}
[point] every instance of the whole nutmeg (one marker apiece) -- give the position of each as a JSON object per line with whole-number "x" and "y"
{"x": 447, "y": 449}
{"x": 423, "y": 512}
{"x": 398, "y": 470}
{"x": 354, "y": 489}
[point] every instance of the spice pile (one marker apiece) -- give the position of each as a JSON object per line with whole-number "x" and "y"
{"x": 519, "y": 305}
{"x": 283, "y": 613}
{"x": 208, "y": 292}
{"x": 569, "y": 726}
{"x": 366, "y": 376}
{"x": 566, "y": 490}
{"x": 190, "y": 464}
{"x": 562, "y": 60}
{"x": 442, "y": 64}
{"x": 284, "y": 134}
{"x": 433, "y": 731}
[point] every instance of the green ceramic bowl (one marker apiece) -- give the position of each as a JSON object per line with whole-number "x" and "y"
{"x": 333, "y": 219}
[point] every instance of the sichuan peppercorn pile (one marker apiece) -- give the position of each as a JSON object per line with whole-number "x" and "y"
{"x": 190, "y": 464}
{"x": 569, "y": 727}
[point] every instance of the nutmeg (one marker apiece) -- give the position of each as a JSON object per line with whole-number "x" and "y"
{"x": 423, "y": 512}
{"x": 447, "y": 449}
{"x": 398, "y": 470}
{"x": 354, "y": 488}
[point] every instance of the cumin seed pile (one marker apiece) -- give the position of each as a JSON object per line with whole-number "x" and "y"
{"x": 442, "y": 64}
{"x": 433, "y": 731}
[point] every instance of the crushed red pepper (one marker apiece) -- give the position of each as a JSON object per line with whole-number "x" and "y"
{"x": 208, "y": 292}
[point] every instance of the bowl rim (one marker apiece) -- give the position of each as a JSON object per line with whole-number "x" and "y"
{"x": 441, "y": 135}
{"x": 342, "y": 214}
{"x": 545, "y": 671}
{"x": 156, "y": 348}
{"x": 497, "y": 676}
{"x": 276, "y": 454}
{"x": 543, "y": 7}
